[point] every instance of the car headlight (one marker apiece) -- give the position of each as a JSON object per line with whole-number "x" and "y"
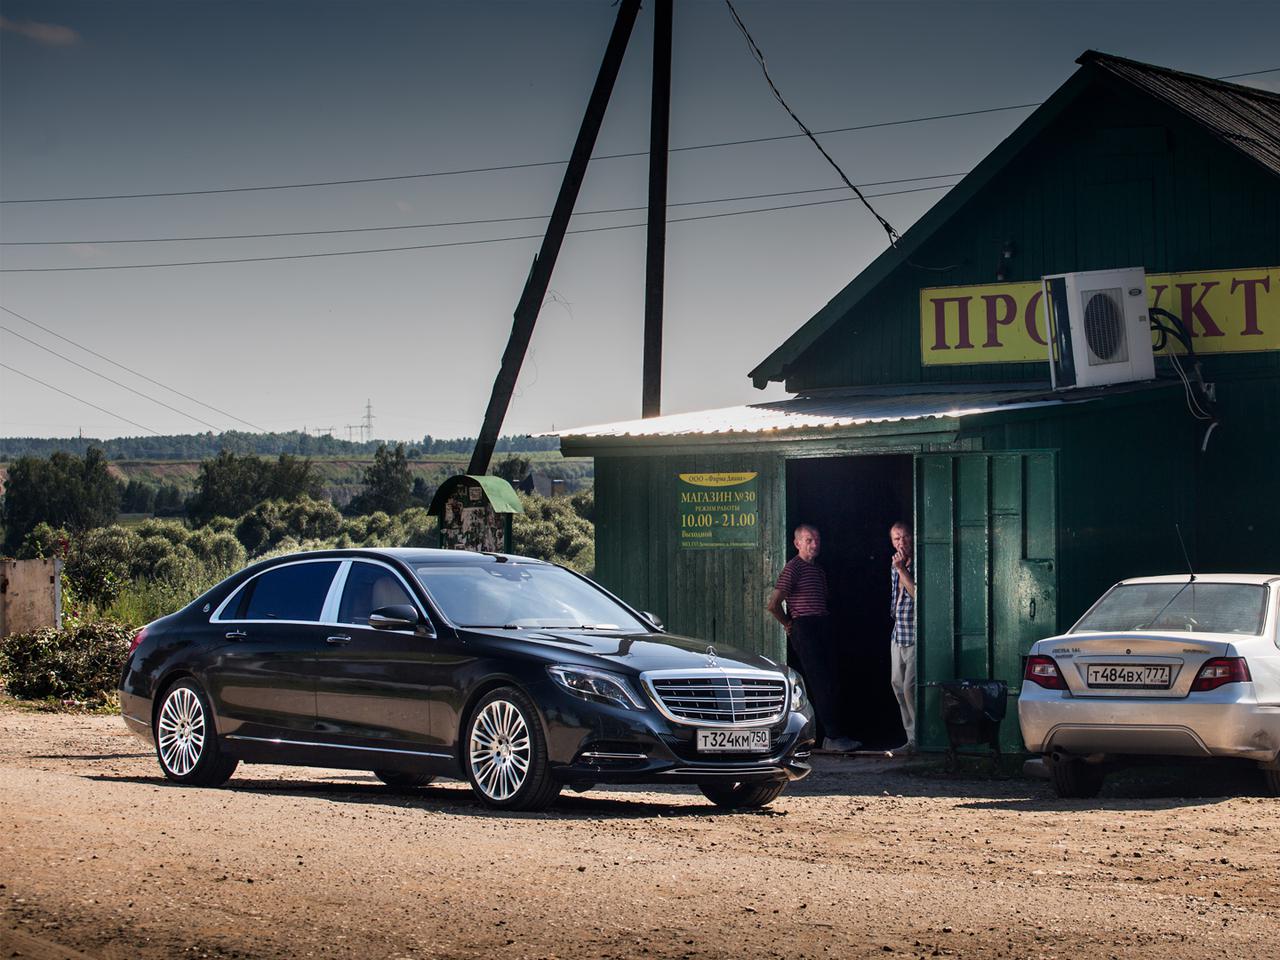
{"x": 799, "y": 697}
{"x": 596, "y": 685}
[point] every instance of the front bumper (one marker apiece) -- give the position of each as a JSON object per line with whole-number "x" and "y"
{"x": 1228, "y": 722}
{"x": 589, "y": 742}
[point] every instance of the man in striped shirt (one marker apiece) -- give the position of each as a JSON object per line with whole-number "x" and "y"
{"x": 902, "y": 647}
{"x": 802, "y": 587}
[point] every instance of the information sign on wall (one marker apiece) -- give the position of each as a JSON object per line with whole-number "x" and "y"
{"x": 1226, "y": 311}
{"x": 718, "y": 510}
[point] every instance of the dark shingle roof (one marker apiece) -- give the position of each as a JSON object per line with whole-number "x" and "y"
{"x": 1244, "y": 118}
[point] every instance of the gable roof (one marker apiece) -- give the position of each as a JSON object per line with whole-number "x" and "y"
{"x": 1244, "y": 118}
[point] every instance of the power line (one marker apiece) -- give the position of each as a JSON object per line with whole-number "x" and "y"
{"x": 495, "y": 168}
{"x": 457, "y": 223}
{"x": 459, "y": 243}
{"x": 80, "y": 399}
{"x": 136, "y": 373}
{"x": 519, "y": 166}
{"x": 759, "y": 57}
{"x": 124, "y": 386}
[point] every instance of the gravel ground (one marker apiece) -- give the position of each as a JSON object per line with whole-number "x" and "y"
{"x": 99, "y": 857}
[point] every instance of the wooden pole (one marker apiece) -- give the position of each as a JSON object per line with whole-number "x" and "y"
{"x": 535, "y": 288}
{"x": 655, "y": 266}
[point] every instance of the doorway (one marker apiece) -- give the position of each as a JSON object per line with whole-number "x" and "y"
{"x": 853, "y": 501}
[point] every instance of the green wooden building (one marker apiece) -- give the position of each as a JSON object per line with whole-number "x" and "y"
{"x": 921, "y": 392}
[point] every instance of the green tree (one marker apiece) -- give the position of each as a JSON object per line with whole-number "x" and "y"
{"x": 388, "y": 485}
{"x": 230, "y": 484}
{"x": 512, "y": 468}
{"x": 64, "y": 491}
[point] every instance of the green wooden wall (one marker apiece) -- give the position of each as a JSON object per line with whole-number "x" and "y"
{"x": 1115, "y": 181}
{"x": 716, "y": 594}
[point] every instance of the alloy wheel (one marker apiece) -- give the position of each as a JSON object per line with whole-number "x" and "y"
{"x": 181, "y": 731}
{"x": 500, "y": 750}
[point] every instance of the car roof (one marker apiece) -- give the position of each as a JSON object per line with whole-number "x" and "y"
{"x": 420, "y": 555}
{"x": 1259, "y": 578}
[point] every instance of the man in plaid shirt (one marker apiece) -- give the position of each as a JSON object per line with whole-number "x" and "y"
{"x": 902, "y": 650}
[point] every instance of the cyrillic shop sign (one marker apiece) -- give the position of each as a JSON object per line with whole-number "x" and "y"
{"x": 1226, "y": 311}
{"x": 718, "y": 510}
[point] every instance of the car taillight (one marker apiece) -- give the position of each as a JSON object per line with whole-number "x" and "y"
{"x": 1044, "y": 671}
{"x": 137, "y": 639}
{"x": 1219, "y": 671}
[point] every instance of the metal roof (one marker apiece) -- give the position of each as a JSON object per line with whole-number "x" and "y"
{"x": 815, "y": 413}
{"x": 1245, "y": 118}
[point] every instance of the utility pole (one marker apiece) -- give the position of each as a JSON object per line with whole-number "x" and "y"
{"x": 535, "y": 288}
{"x": 655, "y": 265}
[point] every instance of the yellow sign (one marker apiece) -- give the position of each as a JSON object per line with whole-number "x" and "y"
{"x": 718, "y": 510}
{"x": 716, "y": 479}
{"x": 1226, "y": 311}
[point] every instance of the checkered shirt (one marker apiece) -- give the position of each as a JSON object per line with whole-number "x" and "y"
{"x": 902, "y": 607}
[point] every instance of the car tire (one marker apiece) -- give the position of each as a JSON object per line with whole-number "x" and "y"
{"x": 187, "y": 739}
{"x": 1075, "y": 779}
{"x": 742, "y": 796}
{"x": 1271, "y": 780}
{"x": 505, "y": 753}
{"x": 396, "y": 778}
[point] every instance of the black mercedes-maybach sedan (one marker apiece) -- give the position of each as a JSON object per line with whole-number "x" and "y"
{"x": 516, "y": 675}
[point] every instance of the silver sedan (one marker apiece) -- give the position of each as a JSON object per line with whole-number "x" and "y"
{"x": 1160, "y": 666}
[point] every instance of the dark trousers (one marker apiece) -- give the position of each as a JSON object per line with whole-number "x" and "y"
{"x": 810, "y": 641}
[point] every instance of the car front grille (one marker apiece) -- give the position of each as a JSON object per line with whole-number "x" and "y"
{"x": 719, "y": 698}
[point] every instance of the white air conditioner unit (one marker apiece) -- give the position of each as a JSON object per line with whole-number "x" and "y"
{"x": 1097, "y": 328}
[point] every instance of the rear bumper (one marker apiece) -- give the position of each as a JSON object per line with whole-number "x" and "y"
{"x": 1232, "y": 724}
{"x": 136, "y": 713}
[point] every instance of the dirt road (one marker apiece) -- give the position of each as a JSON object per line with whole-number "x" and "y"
{"x": 99, "y": 857}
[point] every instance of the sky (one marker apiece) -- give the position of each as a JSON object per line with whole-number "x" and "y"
{"x": 107, "y": 98}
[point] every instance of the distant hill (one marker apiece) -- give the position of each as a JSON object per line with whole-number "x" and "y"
{"x": 200, "y": 446}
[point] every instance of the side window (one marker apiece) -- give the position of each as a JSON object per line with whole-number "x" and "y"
{"x": 369, "y": 587}
{"x": 294, "y": 592}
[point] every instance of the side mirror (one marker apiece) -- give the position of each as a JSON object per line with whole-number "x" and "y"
{"x": 397, "y": 616}
{"x": 653, "y": 618}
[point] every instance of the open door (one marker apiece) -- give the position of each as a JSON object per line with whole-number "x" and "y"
{"x": 987, "y": 550}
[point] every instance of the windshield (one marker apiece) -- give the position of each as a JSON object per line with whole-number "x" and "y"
{"x": 517, "y": 595}
{"x": 1202, "y": 607}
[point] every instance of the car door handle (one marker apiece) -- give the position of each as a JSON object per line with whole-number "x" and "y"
{"x": 339, "y": 638}
{"x": 236, "y": 635}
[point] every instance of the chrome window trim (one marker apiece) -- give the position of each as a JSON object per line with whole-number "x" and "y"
{"x": 214, "y": 617}
{"x": 333, "y": 597}
{"x": 278, "y": 741}
{"x": 431, "y": 630}
{"x": 649, "y": 676}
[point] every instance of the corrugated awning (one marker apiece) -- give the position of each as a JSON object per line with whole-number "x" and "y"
{"x": 807, "y": 414}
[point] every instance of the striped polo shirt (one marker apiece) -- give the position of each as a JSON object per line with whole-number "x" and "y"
{"x": 804, "y": 585}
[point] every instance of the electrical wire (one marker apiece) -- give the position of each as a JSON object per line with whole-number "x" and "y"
{"x": 552, "y": 163}
{"x": 79, "y": 399}
{"x": 759, "y": 57}
{"x": 136, "y": 373}
{"x": 461, "y": 223}
{"x": 103, "y": 376}
{"x": 455, "y": 243}
{"x": 518, "y": 166}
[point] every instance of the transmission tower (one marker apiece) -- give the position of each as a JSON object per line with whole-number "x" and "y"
{"x": 366, "y": 425}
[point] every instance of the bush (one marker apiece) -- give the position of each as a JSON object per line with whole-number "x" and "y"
{"x": 82, "y": 664}
{"x": 551, "y": 529}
